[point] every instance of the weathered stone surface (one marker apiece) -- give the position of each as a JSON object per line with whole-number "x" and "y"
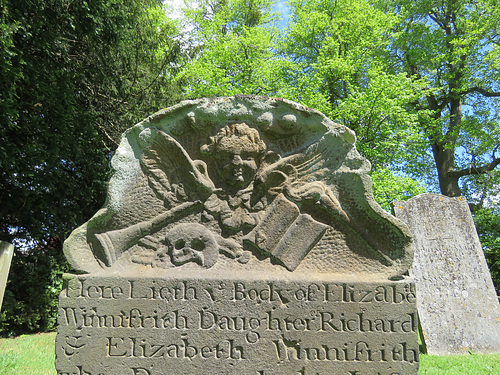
{"x": 250, "y": 324}
{"x": 6, "y": 252}
{"x": 457, "y": 303}
{"x": 261, "y": 209}
{"x": 234, "y": 165}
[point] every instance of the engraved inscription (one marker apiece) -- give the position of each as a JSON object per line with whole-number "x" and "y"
{"x": 239, "y": 236}
{"x": 359, "y": 351}
{"x": 149, "y": 324}
{"x": 239, "y": 291}
{"x": 127, "y": 347}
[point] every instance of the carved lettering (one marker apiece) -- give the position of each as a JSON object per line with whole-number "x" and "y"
{"x": 240, "y": 236}
{"x": 131, "y": 347}
{"x": 360, "y": 323}
{"x": 79, "y": 318}
{"x": 360, "y": 351}
{"x": 385, "y": 294}
{"x": 269, "y": 293}
{"x": 179, "y": 292}
{"x": 233, "y": 321}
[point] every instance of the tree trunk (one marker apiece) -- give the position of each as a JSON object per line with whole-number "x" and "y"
{"x": 444, "y": 151}
{"x": 445, "y": 160}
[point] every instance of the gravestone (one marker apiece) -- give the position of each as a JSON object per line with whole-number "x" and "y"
{"x": 457, "y": 304}
{"x": 6, "y": 252}
{"x": 240, "y": 236}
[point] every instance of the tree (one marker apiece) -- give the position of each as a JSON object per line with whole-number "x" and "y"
{"x": 235, "y": 41}
{"x": 74, "y": 74}
{"x": 343, "y": 66}
{"x": 412, "y": 78}
{"x": 417, "y": 81}
{"x": 454, "y": 46}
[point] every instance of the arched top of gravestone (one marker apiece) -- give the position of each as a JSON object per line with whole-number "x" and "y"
{"x": 243, "y": 184}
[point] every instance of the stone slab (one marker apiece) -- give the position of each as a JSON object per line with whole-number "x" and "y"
{"x": 240, "y": 236}
{"x": 6, "y": 252}
{"x": 246, "y": 325}
{"x": 457, "y": 304}
{"x": 237, "y": 183}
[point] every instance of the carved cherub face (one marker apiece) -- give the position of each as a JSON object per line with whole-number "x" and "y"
{"x": 237, "y": 168}
{"x": 237, "y": 150}
{"x": 192, "y": 242}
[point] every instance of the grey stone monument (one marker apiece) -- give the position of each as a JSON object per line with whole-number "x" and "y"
{"x": 240, "y": 236}
{"x": 6, "y": 252}
{"x": 457, "y": 304}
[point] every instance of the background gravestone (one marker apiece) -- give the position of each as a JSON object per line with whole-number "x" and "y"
{"x": 457, "y": 304}
{"x": 240, "y": 236}
{"x": 6, "y": 252}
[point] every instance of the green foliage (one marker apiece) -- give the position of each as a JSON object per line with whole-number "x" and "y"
{"x": 410, "y": 77}
{"x": 388, "y": 187}
{"x": 343, "y": 67}
{"x": 33, "y": 287}
{"x": 487, "y": 222}
{"x": 236, "y": 41}
{"x": 74, "y": 75}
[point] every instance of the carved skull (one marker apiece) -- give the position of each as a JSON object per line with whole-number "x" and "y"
{"x": 191, "y": 242}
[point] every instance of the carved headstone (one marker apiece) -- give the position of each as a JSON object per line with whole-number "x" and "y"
{"x": 6, "y": 252}
{"x": 240, "y": 236}
{"x": 457, "y": 303}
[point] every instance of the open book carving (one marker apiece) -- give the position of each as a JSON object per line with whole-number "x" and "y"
{"x": 285, "y": 233}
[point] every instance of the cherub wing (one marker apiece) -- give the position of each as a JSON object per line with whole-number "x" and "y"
{"x": 171, "y": 172}
{"x": 309, "y": 170}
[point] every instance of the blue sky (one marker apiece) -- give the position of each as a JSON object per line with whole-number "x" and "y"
{"x": 282, "y": 8}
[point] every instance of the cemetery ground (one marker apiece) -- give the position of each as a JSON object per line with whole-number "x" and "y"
{"x": 34, "y": 355}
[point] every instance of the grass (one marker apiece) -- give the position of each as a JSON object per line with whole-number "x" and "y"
{"x": 474, "y": 364}
{"x": 28, "y": 355}
{"x": 34, "y": 355}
